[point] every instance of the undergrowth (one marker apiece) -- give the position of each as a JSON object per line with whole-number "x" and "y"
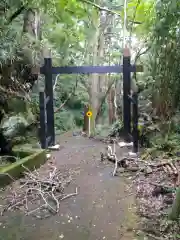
{"x": 163, "y": 144}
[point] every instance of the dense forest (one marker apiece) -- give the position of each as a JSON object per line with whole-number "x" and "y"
{"x": 88, "y": 33}
{"x": 84, "y": 32}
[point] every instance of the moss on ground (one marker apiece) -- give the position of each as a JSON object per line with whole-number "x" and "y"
{"x": 28, "y": 158}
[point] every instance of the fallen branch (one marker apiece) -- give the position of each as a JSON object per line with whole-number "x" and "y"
{"x": 115, "y": 166}
{"x": 133, "y": 164}
{"x": 111, "y": 155}
{"x": 69, "y": 195}
{"x": 44, "y": 191}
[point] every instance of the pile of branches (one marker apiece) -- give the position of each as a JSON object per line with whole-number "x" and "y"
{"x": 157, "y": 183}
{"x": 111, "y": 155}
{"x": 45, "y": 191}
{"x": 135, "y": 164}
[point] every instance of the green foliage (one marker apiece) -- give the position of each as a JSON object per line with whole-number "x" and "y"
{"x": 165, "y": 52}
{"x": 68, "y": 29}
{"x": 74, "y": 106}
{"x": 142, "y": 11}
{"x": 116, "y": 127}
{"x": 102, "y": 130}
{"x": 63, "y": 31}
{"x": 168, "y": 144}
{"x": 14, "y": 125}
{"x": 64, "y": 121}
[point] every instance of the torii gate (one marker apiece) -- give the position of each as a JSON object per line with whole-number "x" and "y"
{"x": 47, "y": 129}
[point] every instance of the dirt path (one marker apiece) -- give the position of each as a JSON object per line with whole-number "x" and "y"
{"x": 101, "y": 210}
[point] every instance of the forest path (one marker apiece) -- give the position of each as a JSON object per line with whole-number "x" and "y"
{"x": 103, "y": 208}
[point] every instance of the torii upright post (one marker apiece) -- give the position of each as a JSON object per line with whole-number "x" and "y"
{"x": 49, "y": 101}
{"x": 126, "y": 92}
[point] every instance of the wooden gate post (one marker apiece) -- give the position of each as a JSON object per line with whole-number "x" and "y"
{"x": 49, "y": 101}
{"x": 135, "y": 132}
{"x": 42, "y": 129}
{"x": 126, "y": 92}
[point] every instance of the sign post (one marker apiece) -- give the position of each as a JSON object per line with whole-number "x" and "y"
{"x": 89, "y": 115}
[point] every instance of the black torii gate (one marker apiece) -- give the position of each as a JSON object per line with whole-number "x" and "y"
{"x": 47, "y": 128}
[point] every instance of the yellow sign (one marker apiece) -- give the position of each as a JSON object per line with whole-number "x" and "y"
{"x": 89, "y": 114}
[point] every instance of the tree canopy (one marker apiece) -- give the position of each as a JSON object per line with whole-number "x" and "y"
{"x": 81, "y": 32}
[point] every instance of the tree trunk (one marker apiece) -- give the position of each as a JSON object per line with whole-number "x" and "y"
{"x": 112, "y": 92}
{"x": 94, "y": 77}
{"x": 32, "y": 23}
{"x": 119, "y": 99}
{"x": 100, "y": 58}
{"x": 31, "y": 33}
{"x": 98, "y": 82}
{"x": 111, "y": 106}
{"x": 31, "y": 27}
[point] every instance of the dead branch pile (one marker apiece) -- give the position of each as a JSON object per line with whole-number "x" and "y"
{"x": 38, "y": 194}
{"x": 156, "y": 183}
{"x": 110, "y": 154}
{"x": 135, "y": 164}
